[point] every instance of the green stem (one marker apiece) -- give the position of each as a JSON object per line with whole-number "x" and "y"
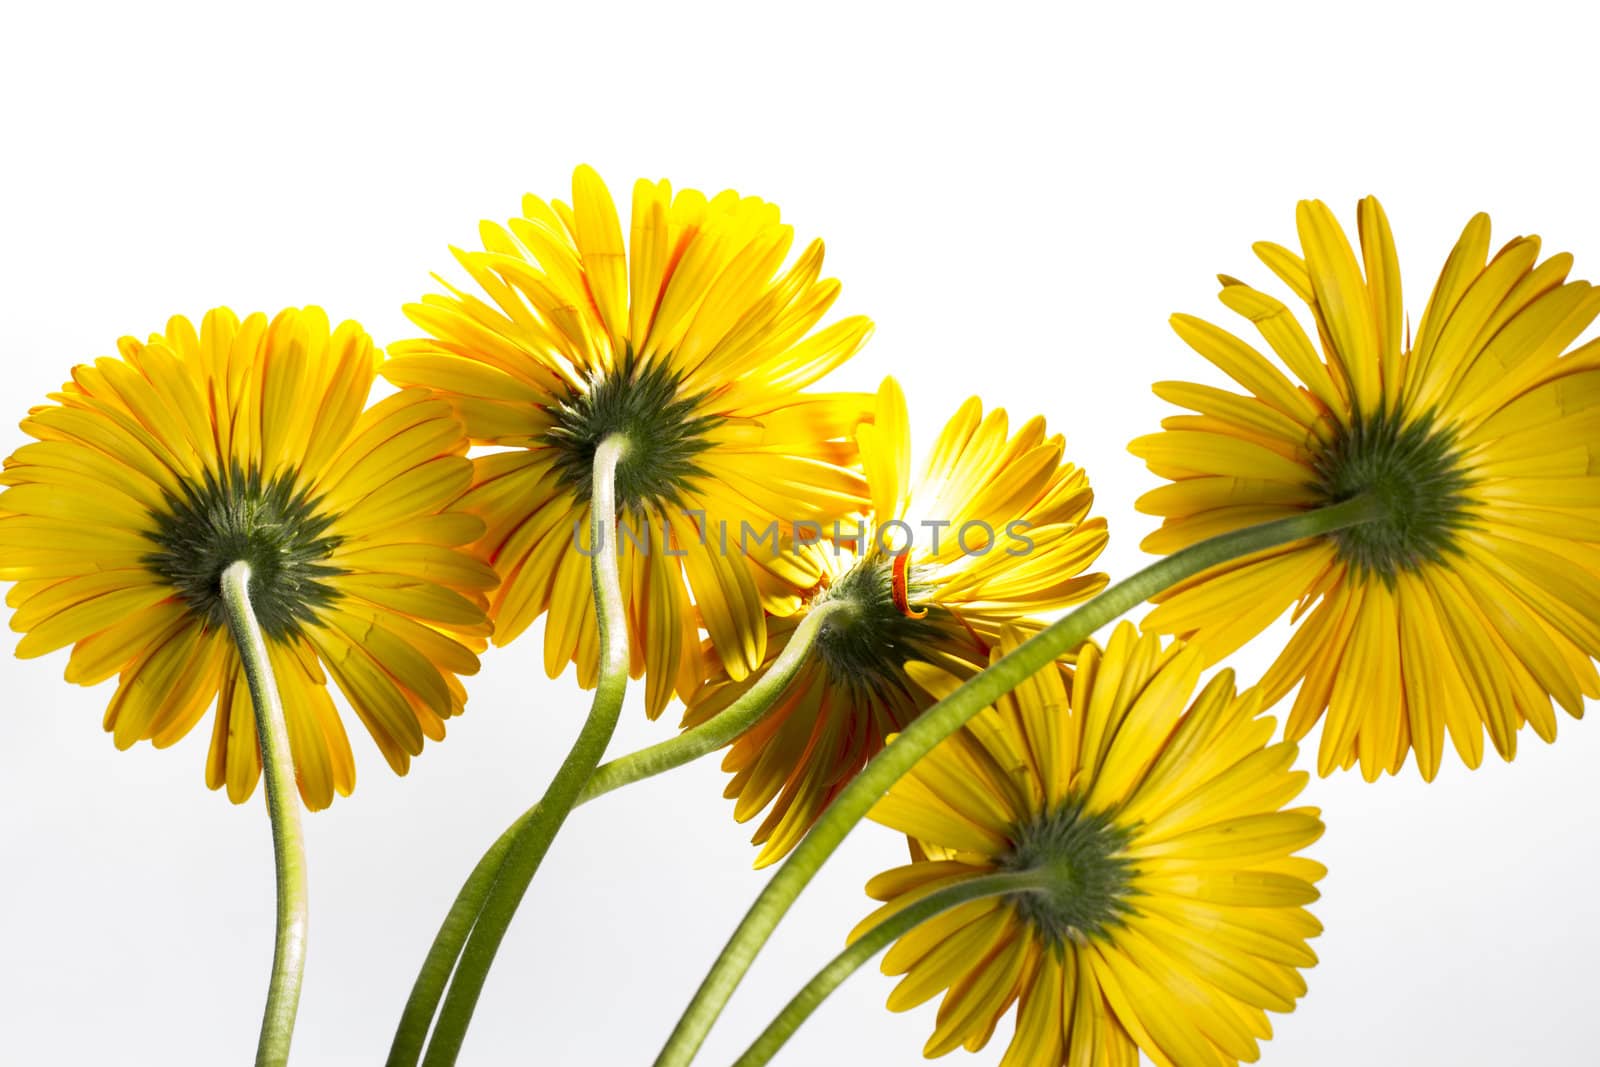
{"x": 948, "y": 715}
{"x": 283, "y": 806}
{"x": 417, "y": 1018}
{"x": 412, "y": 1033}
{"x": 869, "y": 944}
{"x": 531, "y": 841}
{"x": 728, "y": 724}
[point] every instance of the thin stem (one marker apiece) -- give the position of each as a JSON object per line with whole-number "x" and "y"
{"x": 423, "y": 1003}
{"x": 751, "y": 707}
{"x": 948, "y": 715}
{"x": 283, "y": 806}
{"x": 531, "y": 841}
{"x": 869, "y": 944}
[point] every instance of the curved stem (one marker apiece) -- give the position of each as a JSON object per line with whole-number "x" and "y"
{"x": 751, "y": 707}
{"x": 531, "y": 841}
{"x": 948, "y": 715}
{"x": 283, "y": 806}
{"x": 426, "y": 992}
{"x": 869, "y": 944}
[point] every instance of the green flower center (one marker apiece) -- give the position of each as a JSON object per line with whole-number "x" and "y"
{"x": 1088, "y": 879}
{"x": 868, "y": 646}
{"x": 665, "y": 434}
{"x": 270, "y": 525}
{"x": 1414, "y": 473}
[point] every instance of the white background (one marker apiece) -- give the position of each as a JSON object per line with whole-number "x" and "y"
{"x": 1019, "y": 196}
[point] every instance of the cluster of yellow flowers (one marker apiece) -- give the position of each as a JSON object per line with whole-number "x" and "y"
{"x": 1128, "y": 846}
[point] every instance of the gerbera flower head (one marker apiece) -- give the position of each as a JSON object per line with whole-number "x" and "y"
{"x": 155, "y": 470}
{"x": 994, "y": 530}
{"x": 1474, "y": 597}
{"x": 1171, "y": 918}
{"x": 695, "y": 342}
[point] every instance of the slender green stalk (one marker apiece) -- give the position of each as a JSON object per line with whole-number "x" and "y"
{"x": 412, "y": 1033}
{"x": 417, "y": 1018}
{"x": 283, "y": 806}
{"x": 948, "y": 715}
{"x": 869, "y": 944}
{"x": 531, "y": 841}
{"x": 751, "y": 707}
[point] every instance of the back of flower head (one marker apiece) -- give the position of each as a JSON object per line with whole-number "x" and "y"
{"x": 1472, "y": 598}
{"x": 1135, "y": 879}
{"x": 249, "y": 440}
{"x": 694, "y": 341}
{"x": 993, "y": 529}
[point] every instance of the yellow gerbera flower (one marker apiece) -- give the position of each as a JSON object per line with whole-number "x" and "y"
{"x": 688, "y": 340}
{"x": 155, "y": 471}
{"x": 1173, "y": 915}
{"x": 994, "y": 530}
{"x": 1475, "y": 596}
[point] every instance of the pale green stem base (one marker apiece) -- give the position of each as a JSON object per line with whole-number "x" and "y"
{"x": 948, "y": 715}
{"x": 283, "y": 805}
